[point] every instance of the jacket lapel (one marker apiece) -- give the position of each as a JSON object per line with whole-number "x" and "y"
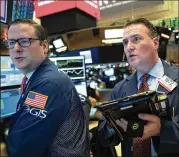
{"x": 130, "y": 85}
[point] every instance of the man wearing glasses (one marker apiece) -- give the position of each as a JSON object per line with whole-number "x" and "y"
{"x": 49, "y": 105}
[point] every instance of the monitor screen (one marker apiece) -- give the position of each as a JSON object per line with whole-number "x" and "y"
{"x": 109, "y": 71}
{"x": 110, "y": 54}
{"x": 113, "y": 33}
{"x": 22, "y": 9}
{"x": 10, "y": 75}
{"x": 81, "y": 87}
{"x": 9, "y": 100}
{"x": 91, "y": 55}
{"x": 58, "y": 43}
{"x": 3, "y": 11}
{"x": 87, "y": 54}
{"x": 73, "y": 66}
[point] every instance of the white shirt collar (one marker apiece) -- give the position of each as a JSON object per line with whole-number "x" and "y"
{"x": 157, "y": 71}
{"x": 29, "y": 74}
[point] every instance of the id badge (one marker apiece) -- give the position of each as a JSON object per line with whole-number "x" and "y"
{"x": 167, "y": 83}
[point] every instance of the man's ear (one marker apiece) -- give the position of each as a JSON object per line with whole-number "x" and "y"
{"x": 156, "y": 43}
{"x": 45, "y": 46}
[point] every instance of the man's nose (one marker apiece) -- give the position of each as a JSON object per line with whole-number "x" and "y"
{"x": 17, "y": 47}
{"x": 130, "y": 46}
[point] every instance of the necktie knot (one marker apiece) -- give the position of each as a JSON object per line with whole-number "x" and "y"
{"x": 24, "y": 80}
{"x": 145, "y": 77}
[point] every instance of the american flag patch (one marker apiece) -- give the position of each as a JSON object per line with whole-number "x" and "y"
{"x": 36, "y": 100}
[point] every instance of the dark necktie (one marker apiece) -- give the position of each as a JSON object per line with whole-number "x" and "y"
{"x": 142, "y": 146}
{"x": 23, "y": 84}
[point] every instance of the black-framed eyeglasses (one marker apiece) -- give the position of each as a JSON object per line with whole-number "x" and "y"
{"x": 23, "y": 42}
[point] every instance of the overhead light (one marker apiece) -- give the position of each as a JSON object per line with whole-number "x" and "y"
{"x": 50, "y": 46}
{"x": 111, "y": 41}
{"x": 113, "y": 33}
{"x": 165, "y": 36}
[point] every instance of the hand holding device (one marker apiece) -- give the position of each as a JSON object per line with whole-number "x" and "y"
{"x": 129, "y": 107}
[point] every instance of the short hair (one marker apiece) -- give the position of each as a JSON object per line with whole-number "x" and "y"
{"x": 146, "y": 23}
{"x": 40, "y": 32}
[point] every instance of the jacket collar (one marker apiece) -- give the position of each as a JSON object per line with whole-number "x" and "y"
{"x": 170, "y": 71}
{"x": 40, "y": 69}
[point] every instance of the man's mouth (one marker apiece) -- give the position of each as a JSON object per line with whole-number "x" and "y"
{"x": 130, "y": 56}
{"x": 19, "y": 58}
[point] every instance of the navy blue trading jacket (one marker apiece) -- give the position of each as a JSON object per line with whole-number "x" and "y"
{"x": 167, "y": 144}
{"x": 50, "y": 120}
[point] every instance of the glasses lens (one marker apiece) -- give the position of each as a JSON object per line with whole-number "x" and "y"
{"x": 11, "y": 43}
{"x": 25, "y": 42}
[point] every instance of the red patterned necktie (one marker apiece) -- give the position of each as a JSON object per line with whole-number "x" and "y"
{"x": 23, "y": 83}
{"x": 142, "y": 146}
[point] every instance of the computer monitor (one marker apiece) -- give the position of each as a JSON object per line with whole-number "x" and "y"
{"x": 10, "y": 75}
{"x": 58, "y": 43}
{"x": 9, "y": 100}
{"x": 109, "y": 71}
{"x": 81, "y": 87}
{"x": 73, "y": 66}
{"x": 88, "y": 57}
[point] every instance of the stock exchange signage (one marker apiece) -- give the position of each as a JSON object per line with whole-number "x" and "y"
{"x": 111, "y": 7}
{"x": 49, "y": 7}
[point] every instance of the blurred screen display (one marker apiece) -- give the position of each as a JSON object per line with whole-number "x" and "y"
{"x": 9, "y": 100}
{"x": 3, "y": 11}
{"x": 113, "y": 33}
{"x": 22, "y": 9}
{"x": 73, "y": 66}
{"x": 109, "y": 72}
{"x": 81, "y": 87}
{"x": 87, "y": 54}
{"x": 10, "y": 75}
{"x": 58, "y": 43}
